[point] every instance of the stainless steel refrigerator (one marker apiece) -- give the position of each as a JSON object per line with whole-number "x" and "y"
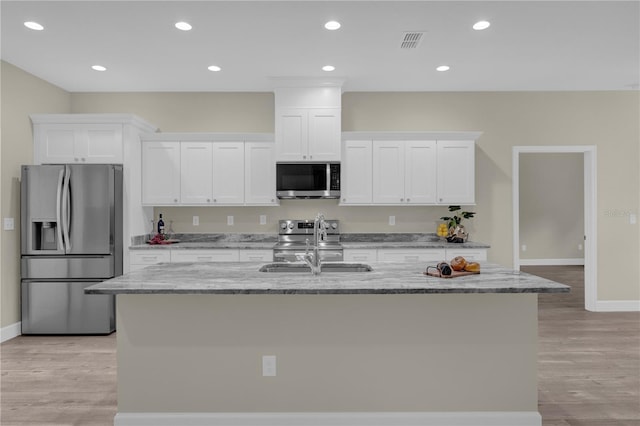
{"x": 71, "y": 238}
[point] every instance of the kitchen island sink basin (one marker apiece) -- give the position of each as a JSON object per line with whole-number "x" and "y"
{"x": 326, "y": 267}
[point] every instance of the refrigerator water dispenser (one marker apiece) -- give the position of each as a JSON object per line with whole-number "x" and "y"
{"x": 44, "y": 235}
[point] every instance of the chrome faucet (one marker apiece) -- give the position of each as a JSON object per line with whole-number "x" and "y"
{"x": 312, "y": 259}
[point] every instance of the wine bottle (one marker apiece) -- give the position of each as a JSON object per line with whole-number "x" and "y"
{"x": 160, "y": 225}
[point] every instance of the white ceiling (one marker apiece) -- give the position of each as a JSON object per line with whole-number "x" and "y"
{"x": 536, "y": 45}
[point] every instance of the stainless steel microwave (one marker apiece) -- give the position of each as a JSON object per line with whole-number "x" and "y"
{"x": 308, "y": 180}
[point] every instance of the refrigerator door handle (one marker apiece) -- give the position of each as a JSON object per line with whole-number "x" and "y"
{"x": 66, "y": 204}
{"x": 58, "y": 210}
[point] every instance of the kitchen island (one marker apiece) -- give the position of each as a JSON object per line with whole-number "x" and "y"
{"x": 386, "y": 347}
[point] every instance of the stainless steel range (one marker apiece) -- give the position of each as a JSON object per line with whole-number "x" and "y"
{"x": 295, "y": 237}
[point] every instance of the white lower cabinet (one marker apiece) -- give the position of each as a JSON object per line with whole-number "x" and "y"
{"x": 140, "y": 259}
{"x": 256, "y": 255}
{"x": 221, "y": 255}
{"x": 411, "y": 255}
{"x": 360, "y": 255}
{"x": 476, "y": 255}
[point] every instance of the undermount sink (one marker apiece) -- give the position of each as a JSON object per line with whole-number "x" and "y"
{"x": 326, "y": 267}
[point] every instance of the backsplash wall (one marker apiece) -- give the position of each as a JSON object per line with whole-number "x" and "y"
{"x": 352, "y": 218}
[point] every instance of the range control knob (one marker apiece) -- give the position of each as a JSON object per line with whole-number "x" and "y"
{"x": 290, "y": 225}
{"x": 334, "y": 225}
{"x": 283, "y": 225}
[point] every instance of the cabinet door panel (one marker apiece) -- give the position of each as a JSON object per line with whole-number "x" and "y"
{"x": 356, "y": 186}
{"x": 58, "y": 144}
{"x": 196, "y": 173}
{"x": 324, "y": 134}
{"x": 420, "y": 172}
{"x": 228, "y": 173}
{"x": 292, "y": 133}
{"x": 160, "y": 173}
{"x": 388, "y": 172}
{"x": 101, "y": 143}
{"x": 456, "y": 172}
{"x": 260, "y": 173}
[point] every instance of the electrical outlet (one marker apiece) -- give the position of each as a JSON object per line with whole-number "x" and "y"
{"x": 9, "y": 224}
{"x": 579, "y": 246}
{"x": 196, "y": 220}
{"x": 229, "y": 220}
{"x": 263, "y": 219}
{"x": 269, "y": 365}
{"x": 524, "y": 247}
{"x": 392, "y": 220}
{"x": 633, "y": 219}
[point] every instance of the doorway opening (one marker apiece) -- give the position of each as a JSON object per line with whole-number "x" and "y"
{"x": 589, "y": 209}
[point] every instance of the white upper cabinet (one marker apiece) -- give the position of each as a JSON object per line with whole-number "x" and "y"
{"x": 355, "y": 179}
{"x": 420, "y": 172}
{"x": 208, "y": 173}
{"x": 308, "y": 121}
{"x": 228, "y": 173}
{"x": 456, "y": 172}
{"x": 388, "y": 172}
{"x": 404, "y": 172}
{"x": 408, "y": 171}
{"x": 196, "y": 174}
{"x": 308, "y": 134}
{"x": 260, "y": 174}
{"x": 78, "y": 143}
{"x": 161, "y": 173}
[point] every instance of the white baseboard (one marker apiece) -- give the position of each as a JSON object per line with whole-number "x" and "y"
{"x": 617, "y": 306}
{"x": 481, "y": 418}
{"x": 551, "y": 262}
{"x": 10, "y": 331}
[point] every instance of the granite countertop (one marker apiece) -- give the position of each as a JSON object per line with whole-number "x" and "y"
{"x": 348, "y": 241}
{"x": 386, "y": 278}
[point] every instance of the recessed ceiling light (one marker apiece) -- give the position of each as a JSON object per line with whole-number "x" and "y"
{"x": 214, "y": 68}
{"x": 481, "y": 25}
{"x": 33, "y": 26}
{"x": 443, "y": 68}
{"x": 98, "y": 68}
{"x": 328, "y": 68}
{"x": 332, "y": 25}
{"x": 184, "y": 26}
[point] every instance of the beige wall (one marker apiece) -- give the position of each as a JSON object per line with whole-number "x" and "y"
{"x": 608, "y": 120}
{"x": 552, "y": 206}
{"x": 22, "y": 94}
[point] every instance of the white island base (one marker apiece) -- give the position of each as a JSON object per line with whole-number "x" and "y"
{"x": 342, "y": 359}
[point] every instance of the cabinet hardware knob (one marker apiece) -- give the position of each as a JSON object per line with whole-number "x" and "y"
{"x": 208, "y": 200}
{"x": 82, "y": 159}
{"x": 401, "y": 199}
{"x": 408, "y": 199}
{"x": 344, "y": 199}
{"x": 215, "y": 201}
{"x": 304, "y": 157}
{"x": 175, "y": 200}
{"x": 76, "y": 159}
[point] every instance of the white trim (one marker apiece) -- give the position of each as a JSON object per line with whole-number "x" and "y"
{"x": 400, "y": 136}
{"x": 206, "y": 137}
{"x": 590, "y": 212}
{"x": 618, "y": 306}
{"x": 551, "y": 262}
{"x": 481, "y": 418}
{"x": 100, "y": 118}
{"x": 10, "y": 331}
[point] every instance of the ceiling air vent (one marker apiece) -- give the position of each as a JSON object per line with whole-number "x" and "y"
{"x": 411, "y": 39}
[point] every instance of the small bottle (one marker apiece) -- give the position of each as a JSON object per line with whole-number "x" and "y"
{"x": 160, "y": 225}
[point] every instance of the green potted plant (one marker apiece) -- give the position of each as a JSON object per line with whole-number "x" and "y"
{"x": 457, "y": 233}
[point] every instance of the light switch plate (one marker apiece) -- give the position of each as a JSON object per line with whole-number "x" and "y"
{"x": 263, "y": 219}
{"x": 230, "y": 220}
{"x": 633, "y": 219}
{"x": 9, "y": 224}
{"x": 392, "y": 220}
{"x": 196, "y": 220}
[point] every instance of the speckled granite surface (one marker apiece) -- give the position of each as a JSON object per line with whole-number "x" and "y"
{"x": 386, "y": 278}
{"x": 267, "y": 241}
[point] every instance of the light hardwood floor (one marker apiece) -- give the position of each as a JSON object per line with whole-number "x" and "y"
{"x": 589, "y": 368}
